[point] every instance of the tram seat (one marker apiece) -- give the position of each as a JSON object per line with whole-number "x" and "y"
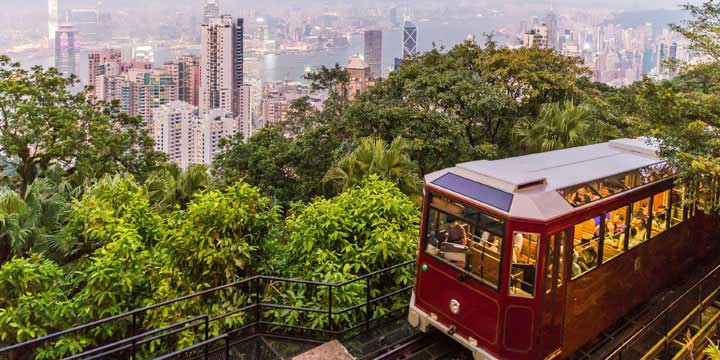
{"x": 488, "y": 262}
{"x": 454, "y": 253}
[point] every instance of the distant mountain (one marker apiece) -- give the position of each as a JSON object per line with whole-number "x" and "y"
{"x": 659, "y": 18}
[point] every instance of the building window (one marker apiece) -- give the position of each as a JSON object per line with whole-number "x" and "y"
{"x": 524, "y": 264}
{"x": 639, "y": 223}
{"x": 586, "y": 241}
{"x": 614, "y": 240}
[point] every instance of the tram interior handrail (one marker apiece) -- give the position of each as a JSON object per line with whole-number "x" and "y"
{"x": 138, "y": 336}
{"x": 617, "y": 353}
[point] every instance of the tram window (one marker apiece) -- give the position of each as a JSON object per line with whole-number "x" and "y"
{"x": 524, "y": 264}
{"x": 639, "y": 223}
{"x": 612, "y": 185}
{"x": 585, "y": 246}
{"x": 704, "y": 202}
{"x": 677, "y": 205}
{"x": 466, "y": 238}
{"x": 581, "y": 195}
{"x": 660, "y": 206}
{"x": 615, "y": 233}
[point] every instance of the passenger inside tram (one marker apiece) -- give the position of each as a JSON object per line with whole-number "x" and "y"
{"x": 614, "y": 241}
{"x": 639, "y": 222}
{"x": 585, "y": 249}
{"x": 580, "y": 196}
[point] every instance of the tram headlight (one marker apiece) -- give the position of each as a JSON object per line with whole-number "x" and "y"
{"x": 413, "y": 318}
{"x": 454, "y": 306}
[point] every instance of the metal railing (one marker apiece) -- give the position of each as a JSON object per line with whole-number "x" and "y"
{"x": 657, "y": 336}
{"x": 261, "y": 309}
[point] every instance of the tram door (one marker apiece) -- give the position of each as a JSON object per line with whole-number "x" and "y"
{"x": 555, "y": 281}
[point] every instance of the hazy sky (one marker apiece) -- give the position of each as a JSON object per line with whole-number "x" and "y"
{"x": 31, "y": 15}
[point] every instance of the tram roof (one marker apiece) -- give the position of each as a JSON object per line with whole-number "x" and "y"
{"x": 528, "y": 186}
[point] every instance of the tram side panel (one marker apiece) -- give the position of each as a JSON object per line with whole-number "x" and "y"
{"x": 602, "y": 296}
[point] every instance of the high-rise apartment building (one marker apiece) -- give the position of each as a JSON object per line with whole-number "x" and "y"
{"x": 216, "y": 125}
{"x": 221, "y": 65}
{"x": 409, "y": 39}
{"x": 275, "y": 107}
{"x": 188, "y": 137}
{"x": 186, "y": 74}
{"x": 537, "y": 37}
{"x": 102, "y": 62}
{"x": 177, "y": 131}
{"x": 153, "y": 89}
{"x": 373, "y": 52}
{"x": 67, "y": 48}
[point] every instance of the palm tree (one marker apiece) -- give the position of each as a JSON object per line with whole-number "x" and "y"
{"x": 374, "y": 156}
{"x": 170, "y": 186}
{"x": 32, "y": 222}
{"x": 558, "y": 126}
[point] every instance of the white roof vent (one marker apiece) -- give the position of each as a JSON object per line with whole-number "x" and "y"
{"x": 531, "y": 184}
{"x": 643, "y": 145}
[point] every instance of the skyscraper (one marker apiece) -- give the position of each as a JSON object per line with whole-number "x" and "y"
{"x": 551, "y": 23}
{"x": 211, "y": 9}
{"x": 221, "y": 65}
{"x": 67, "y": 48}
{"x": 393, "y": 16}
{"x": 373, "y": 52}
{"x": 53, "y": 20}
{"x": 409, "y": 39}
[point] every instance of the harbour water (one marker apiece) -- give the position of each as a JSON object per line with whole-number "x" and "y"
{"x": 291, "y": 66}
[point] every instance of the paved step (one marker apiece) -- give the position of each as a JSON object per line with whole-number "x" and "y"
{"x": 329, "y": 350}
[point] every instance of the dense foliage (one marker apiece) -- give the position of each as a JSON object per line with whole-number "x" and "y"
{"x": 93, "y": 223}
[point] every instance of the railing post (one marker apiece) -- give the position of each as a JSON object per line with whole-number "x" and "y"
{"x": 227, "y": 348}
{"x": 133, "y": 332}
{"x": 207, "y": 331}
{"x": 330, "y": 304}
{"x": 368, "y": 306}
{"x": 258, "y": 313}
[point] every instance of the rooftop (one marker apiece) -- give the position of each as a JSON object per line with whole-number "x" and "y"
{"x": 531, "y": 182}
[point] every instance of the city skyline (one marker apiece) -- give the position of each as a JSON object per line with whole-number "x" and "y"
{"x": 199, "y": 78}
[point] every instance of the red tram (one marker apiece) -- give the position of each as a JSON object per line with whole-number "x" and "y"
{"x": 533, "y": 256}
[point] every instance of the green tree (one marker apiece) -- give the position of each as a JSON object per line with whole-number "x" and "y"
{"x": 44, "y": 124}
{"x": 374, "y": 156}
{"x": 365, "y": 228}
{"x": 33, "y": 221}
{"x": 33, "y": 302}
{"x": 171, "y": 186}
{"x": 264, "y": 161}
{"x": 560, "y": 126}
{"x": 106, "y": 209}
{"x": 703, "y": 27}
